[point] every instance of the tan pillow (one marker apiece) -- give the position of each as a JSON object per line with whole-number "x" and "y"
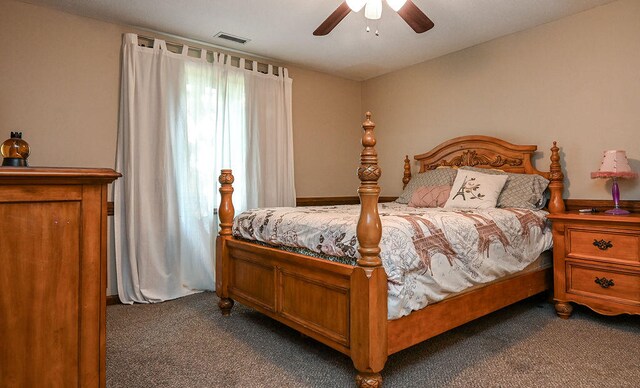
{"x": 475, "y": 190}
{"x": 430, "y": 196}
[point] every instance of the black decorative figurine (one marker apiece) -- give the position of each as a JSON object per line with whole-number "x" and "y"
{"x": 15, "y": 151}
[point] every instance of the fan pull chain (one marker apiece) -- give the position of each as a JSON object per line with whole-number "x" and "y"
{"x": 368, "y": 29}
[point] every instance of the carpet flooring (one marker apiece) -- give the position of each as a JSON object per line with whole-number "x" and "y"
{"x": 187, "y": 343}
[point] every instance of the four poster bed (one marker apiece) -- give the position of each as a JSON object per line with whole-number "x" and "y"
{"x": 346, "y": 305}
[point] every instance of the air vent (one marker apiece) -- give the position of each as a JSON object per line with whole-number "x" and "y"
{"x": 232, "y": 38}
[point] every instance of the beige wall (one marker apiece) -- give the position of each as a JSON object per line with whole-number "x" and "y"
{"x": 576, "y": 80}
{"x": 60, "y": 81}
{"x": 327, "y": 119}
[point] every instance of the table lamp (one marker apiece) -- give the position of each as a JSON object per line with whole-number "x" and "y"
{"x": 615, "y": 165}
{"x": 15, "y": 151}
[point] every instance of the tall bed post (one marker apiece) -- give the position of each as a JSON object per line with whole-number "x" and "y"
{"x": 226, "y": 213}
{"x": 369, "y": 280}
{"x": 556, "y": 182}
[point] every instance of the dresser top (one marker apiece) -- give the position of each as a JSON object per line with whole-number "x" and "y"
{"x": 633, "y": 218}
{"x": 61, "y": 175}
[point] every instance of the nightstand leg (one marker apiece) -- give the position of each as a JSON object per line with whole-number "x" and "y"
{"x": 564, "y": 309}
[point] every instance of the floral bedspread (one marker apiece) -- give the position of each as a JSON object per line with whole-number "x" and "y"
{"x": 427, "y": 253}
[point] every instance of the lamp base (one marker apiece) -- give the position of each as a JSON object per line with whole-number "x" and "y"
{"x": 14, "y": 162}
{"x": 616, "y": 211}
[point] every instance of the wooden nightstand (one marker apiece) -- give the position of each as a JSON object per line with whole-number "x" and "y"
{"x": 596, "y": 259}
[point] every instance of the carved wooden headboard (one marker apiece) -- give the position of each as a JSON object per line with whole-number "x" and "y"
{"x": 479, "y": 151}
{"x": 490, "y": 152}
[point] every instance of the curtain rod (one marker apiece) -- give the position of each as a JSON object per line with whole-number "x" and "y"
{"x": 262, "y": 66}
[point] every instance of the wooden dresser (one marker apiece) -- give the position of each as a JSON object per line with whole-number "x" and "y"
{"x": 53, "y": 228}
{"x": 596, "y": 260}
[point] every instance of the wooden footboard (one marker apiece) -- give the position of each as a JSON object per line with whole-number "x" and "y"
{"x": 310, "y": 295}
{"x": 345, "y": 306}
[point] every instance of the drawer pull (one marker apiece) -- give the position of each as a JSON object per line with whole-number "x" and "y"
{"x": 604, "y": 282}
{"x": 602, "y": 245}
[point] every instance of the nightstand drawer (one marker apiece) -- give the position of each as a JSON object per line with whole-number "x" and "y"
{"x": 623, "y": 245}
{"x": 603, "y": 282}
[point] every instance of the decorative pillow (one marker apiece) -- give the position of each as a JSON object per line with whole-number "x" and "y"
{"x": 430, "y": 196}
{"x": 475, "y": 190}
{"x": 437, "y": 177}
{"x": 521, "y": 190}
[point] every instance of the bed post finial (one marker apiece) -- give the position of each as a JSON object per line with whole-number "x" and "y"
{"x": 556, "y": 182}
{"x": 369, "y": 228}
{"x": 407, "y": 172}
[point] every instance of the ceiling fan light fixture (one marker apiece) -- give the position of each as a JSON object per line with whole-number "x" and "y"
{"x": 373, "y": 10}
{"x": 396, "y": 4}
{"x": 356, "y": 5}
{"x": 406, "y": 9}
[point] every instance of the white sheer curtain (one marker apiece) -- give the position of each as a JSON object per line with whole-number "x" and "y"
{"x": 182, "y": 119}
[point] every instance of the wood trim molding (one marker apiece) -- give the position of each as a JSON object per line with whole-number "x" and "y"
{"x": 571, "y": 204}
{"x": 113, "y": 299}
{"x": 600, "y": 204}
{"x": 330, "y": 201}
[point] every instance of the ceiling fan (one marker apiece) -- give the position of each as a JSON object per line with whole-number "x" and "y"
{"x": 415, "y": 18}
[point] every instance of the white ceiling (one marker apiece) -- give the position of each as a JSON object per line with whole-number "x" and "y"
{"x": 282, "y": 29}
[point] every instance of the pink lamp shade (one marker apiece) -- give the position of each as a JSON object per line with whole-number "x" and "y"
{"x": 615, "y": 165}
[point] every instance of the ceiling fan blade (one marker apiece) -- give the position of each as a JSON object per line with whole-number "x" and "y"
{"x": 415, "y": 18}
{"x": 332, "y": 21}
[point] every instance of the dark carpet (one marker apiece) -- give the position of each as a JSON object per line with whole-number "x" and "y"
{"x": 187, "y": 343}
